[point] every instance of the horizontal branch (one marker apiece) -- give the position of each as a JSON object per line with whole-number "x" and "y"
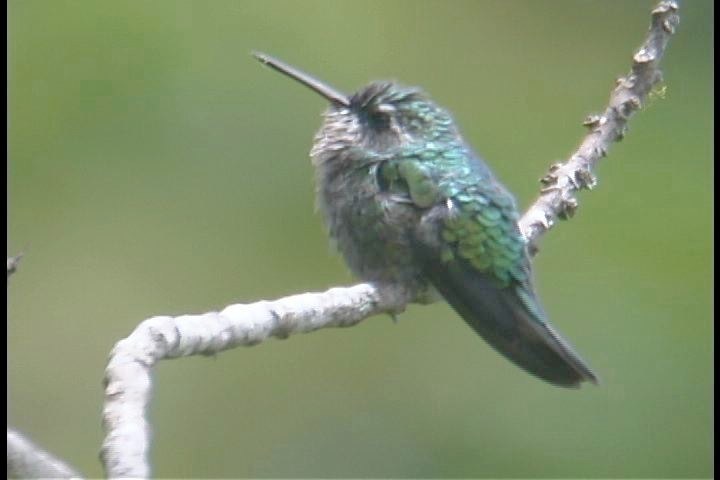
{"x": 557, "y": 199}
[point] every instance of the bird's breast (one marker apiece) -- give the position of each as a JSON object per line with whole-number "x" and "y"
{"x": 371, "y": 228}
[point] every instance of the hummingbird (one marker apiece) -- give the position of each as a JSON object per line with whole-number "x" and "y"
{"x": 406, "y": 200}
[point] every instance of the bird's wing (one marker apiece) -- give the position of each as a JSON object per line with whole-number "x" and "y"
{"x": 474, "y": 255}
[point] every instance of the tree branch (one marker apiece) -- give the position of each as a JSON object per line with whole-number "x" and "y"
{"x": 128, "y": 373}
{"x": 127, "y": 376}
{"x": 27, "y": 460}
{"x": 12, "y": 264}
{"x": 557, "y": 198}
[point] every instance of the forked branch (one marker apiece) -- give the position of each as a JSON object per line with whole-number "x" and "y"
{"x": 128, "y": 373}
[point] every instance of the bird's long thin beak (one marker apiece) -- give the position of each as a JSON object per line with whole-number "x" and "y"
{"x": 323, "y": 89}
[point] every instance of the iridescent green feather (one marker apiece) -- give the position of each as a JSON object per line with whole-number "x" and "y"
{"x": 481, "y": 228}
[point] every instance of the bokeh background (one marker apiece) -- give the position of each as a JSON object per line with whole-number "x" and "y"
{"x": 156, "y": 168}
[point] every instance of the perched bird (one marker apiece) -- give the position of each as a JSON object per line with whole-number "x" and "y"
{"x": 406, "y": 200}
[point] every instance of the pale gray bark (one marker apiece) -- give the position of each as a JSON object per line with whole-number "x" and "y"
{"x": 12, "y": 264}
{"x": 27, "y": 460}
{"x": 557, "y": 198}
{"x": 128, "y": 373}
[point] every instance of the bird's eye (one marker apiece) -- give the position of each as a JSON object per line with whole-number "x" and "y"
{"x": 380, "y": 115}
{"x": 379, "y": 120}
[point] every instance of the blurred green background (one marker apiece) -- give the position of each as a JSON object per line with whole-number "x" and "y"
{"x": 156, "y": 168}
